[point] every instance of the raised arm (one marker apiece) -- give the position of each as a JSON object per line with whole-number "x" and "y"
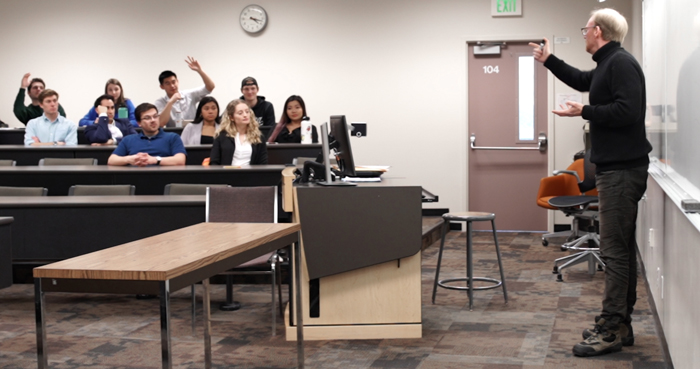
{"x": 194, "y": 65}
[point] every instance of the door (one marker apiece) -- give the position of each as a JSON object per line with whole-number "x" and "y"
{"x": 507, "y": 98}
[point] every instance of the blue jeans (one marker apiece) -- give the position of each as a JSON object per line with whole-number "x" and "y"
{"x": 619, "y": 192}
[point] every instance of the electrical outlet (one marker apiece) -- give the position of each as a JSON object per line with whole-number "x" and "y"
{"x": 650, "y": 240}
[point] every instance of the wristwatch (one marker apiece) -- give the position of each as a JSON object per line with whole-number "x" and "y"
{"x": 158, "y": 159}
{"x": 55, "y": 143}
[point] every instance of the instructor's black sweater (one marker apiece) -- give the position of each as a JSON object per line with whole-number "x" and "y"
{"x": 617, "y": 106}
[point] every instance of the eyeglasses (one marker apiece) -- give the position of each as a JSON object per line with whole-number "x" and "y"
{"x": 584, "y": 30}
{"x": 149, "y": 117}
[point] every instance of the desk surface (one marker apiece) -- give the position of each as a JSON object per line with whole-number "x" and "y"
{"x": 145, "y": 260}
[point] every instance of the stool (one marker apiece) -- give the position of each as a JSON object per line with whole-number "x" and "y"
{"x": 469, "y": 217}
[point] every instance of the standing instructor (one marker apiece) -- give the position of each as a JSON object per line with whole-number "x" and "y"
{"x": 619, "y": 148}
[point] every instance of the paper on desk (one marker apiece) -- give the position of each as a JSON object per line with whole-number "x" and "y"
{"x": 361, "y": 179}
{"x": 375, "y": 168}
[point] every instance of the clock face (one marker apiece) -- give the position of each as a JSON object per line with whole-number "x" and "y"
{"x": 253, "y": 19}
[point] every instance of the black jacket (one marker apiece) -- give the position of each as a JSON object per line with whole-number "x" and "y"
{"x": 224, "y": 146}
{"x": 264, "y": 112}
{"x": 617, "y": 105}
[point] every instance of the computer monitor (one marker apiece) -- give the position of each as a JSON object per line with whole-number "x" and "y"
{"x": 343, "y": 152}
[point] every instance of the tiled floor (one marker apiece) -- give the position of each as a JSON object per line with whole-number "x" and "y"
{"x": 537, "y": 329}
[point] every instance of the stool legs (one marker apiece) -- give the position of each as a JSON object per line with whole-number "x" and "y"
{"x": 470, "y": 270}
{"x": 445, "y": 227}
{"x": 500, "y": 264}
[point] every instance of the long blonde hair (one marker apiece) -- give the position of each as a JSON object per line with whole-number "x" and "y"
{"x": 229, "y": 127}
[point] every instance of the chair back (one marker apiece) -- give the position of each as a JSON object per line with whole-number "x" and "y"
{"x": 23, "y": 191}
{"x": 102, "y": 190}
{"x": 587, "y": 184}
{"x": 67, "y": 161}
{"x": 189, "y": 188}
{"x": 242, "y": 204}
{"x": 7, "y": 163}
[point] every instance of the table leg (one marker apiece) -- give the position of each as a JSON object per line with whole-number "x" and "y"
{"x": 42, "y": 355}
{"x": 194, "y": 312}
{"x": 300, "y": 320}
{"x": 166, "y": 354}
{"x": 206, "y": 317}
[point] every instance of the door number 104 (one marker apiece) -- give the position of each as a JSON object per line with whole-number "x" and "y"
{"x": 488, "y": 69}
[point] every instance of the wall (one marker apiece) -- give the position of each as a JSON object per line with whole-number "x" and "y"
{"x": 668, "y": 239}
{"x": 399, "y": 65}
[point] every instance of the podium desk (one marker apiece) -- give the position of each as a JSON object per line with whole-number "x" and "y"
{"x": 361, "y": 265}
{"x": 148, "y": 180}
{"x": 161, "y": 264}
{"x": 5, "y": 252}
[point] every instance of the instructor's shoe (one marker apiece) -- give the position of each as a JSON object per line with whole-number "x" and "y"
{"x": 626, "y": 340}
{"x": 603, "y": 341}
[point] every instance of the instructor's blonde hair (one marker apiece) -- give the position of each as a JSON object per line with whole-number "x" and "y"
{"x": 611, "y": 23}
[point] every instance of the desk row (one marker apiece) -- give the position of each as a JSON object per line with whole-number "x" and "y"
{"x": 277, "y": 154}
{"x": 15, "y": 136}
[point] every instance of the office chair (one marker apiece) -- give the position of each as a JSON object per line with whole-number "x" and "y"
{"x": 248, "y": 205}
{"x": 562, "y": 183}
{"x": 102, "y": 190}
{"x": 8, "y": 163}
{"x": 67, "y": 161}
{"x": 23, "y": 191}
{"x": 581, "y": 207}
{"x": 189, "y": 188}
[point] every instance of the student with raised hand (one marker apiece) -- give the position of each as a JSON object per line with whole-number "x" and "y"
{"x": 26, "y": 113}
{"x": 183, "y": 108}
{"x": 50, "y": 129}
{"x": 108, "y": 130}
{"x": 206, "y": 122}
{"x": 288, "y": 130}
{"x": 239, "y": 140}
{"x": 113, "y": 88}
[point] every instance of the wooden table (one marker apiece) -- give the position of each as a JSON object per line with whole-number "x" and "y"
{"x": 164, "y": 263}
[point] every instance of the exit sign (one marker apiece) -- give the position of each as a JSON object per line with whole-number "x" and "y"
{"x": 506, "y": 8}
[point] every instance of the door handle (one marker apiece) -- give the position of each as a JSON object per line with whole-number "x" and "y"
{"x": 541, "y": 144}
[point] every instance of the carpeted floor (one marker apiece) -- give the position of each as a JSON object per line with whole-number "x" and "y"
{"x": 537, "y": 329}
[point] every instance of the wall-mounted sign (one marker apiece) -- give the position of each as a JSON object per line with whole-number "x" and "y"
{"x": 506, "y": 8}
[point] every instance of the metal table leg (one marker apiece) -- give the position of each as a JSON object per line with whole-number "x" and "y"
{"x": 206, "y": 317}
{"x": 300, "y": 320}
{"x": 42, "y": 355}
{"x": 166, "y": 353}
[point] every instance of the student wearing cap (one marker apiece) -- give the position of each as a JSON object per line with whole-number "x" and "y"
{"x": 263, "y": 110}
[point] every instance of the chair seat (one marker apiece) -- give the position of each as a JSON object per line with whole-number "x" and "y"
{"x": 571, "y": 201}
{"x": 260, "y": 260}
{"x": 469, "y": 216}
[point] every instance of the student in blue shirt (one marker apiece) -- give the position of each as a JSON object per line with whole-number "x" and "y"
{"x": 152, "y": 146}
{"x": 50, "y": 129}
{"x": 113, "y": 88}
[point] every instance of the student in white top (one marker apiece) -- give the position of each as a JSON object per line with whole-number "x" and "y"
{"x": 238, "y": 142}
{"x": 184, "y": 107}
{"x": 206, "y": 122}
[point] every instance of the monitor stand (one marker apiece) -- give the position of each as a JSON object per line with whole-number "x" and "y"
{"x": 327, "y": 161}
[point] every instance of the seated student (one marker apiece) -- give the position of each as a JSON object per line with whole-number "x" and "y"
{"x": 184, "y": 107}
{"x": 113, "y": 88}
{"x": 50, "y": 129}
{"x": 33, "y": 110}
{"x": 239, "y": 140}
{"x": 152, "y": 146}
{"x": 108, "y": 130}
{"x": 263, "y": 110}
{"x": 206, "y": 122}
{"x": 288, "y": 130}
